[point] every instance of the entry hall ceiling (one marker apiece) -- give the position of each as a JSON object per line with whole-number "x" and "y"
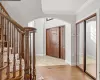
{"x": 62, "y": 6}
{"x": 25, "y": 11}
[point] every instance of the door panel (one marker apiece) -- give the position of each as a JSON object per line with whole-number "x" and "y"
{"x": 48, "y": 43}
{"x": 91, "y": 46}
{"x": 53, "y": 42}
{"x": 62, "y": 42}
{"x": 80, "y": 45}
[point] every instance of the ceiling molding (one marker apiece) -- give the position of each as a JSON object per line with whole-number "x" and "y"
{"x": 84, "y": 5}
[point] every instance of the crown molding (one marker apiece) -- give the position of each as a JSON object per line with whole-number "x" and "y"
{"x": 84, "y": 5}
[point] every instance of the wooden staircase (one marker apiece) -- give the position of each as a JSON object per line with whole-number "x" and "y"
{"x": 17, "y": 49}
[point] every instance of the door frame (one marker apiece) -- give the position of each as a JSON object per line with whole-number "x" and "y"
{"x": 61, "y": 41}
{"x": 84, "y": 60}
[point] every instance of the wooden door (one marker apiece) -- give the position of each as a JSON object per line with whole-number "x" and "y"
{"x": 62, "y": 42}
{"x": 48, "y": 43}
{"x": 53, "y": 42}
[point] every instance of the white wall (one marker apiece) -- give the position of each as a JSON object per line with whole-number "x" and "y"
{"x": 57, "y": 23}
{"x": 91, "y": 39}
{"x": 23, "y": 11}
{"x": 88, "y": 10}
{"x": 41, "y": 25}
{"x": 38, "y": 24}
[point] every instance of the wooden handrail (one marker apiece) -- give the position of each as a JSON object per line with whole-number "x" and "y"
{"x": 17, "y": 25}
{"x": 19, "y": 38}
{"x": 4, "y": 9}
{"x": 29, "y": 72}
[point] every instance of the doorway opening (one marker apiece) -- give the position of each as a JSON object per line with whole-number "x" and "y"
{"x": 55, "y": 42}
{"x": 53, "y": 50}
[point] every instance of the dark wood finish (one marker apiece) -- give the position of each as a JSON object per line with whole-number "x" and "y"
{"x": 48, "y": 43}
{"x": 34, "y": 58}
{"x": 17, "y": 25}
{"x": 26, "y": 56}
{"x": 84, "y": 20}
{"x": 3, "y": 9}
{"x": 15, "y": 39}
{"x": 84, "y": 46}
{"x": 53, "y": 35}
{"x": 8, "y": 61}
{"x": 55, "y": 42}
{"x": 30, "y": 57}
{"x": 62, "y": 42}
{"x": 20, "y": 53}
{"x": 29, "y": 72}
{"x": 1, "y": 46}
{"x": 22, "y": 46}
{"x": 14, "y": 52}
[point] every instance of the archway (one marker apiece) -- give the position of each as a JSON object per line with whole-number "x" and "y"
{"x": 42, "y": 24}
{"x": 50, "y": 67}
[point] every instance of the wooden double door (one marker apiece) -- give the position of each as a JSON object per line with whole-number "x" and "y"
{"x": 55, "y": 42}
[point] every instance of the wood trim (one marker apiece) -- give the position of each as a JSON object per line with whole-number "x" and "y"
{"x": 96, "y": 46}
{"x": 17, "y": 78}
{"x": 46, "y": 41}
{"x": 59, "y": 39}
{"x": 11, "y": 29}
{"x": 4, "y": 67}
{"x": 90, "y": 75}
{"x": 12, "y": 21}
{"x": 4, "y": 9}
{"x": 61, "y": 42}
{"x": 85, "y": 72}
{"x": 84, "y": 60}
{"x": 29, "y": 28}
{"x": 84, "y": 20}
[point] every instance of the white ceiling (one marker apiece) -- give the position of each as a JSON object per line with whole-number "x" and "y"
{"x": 26, "y": 10}
{"x": 23, "y": 11}
{"x": 62, "y": 6}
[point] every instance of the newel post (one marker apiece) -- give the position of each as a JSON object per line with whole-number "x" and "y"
{"x": 29, "y": 56}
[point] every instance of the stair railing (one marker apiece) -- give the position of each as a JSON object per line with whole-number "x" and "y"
{"x": 17, "y": 50}
{"x": 3, "y": 9}
{"x": 29, "y": 56}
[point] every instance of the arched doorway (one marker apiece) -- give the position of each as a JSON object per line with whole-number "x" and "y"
{"x": 48, "y": 67}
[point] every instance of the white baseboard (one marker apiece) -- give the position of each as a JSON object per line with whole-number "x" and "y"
{"x": 71, "y": 64}
{"x": 44, "y": 54}
{"x": 68, "y": 62}
{"x": 39, "y": 54}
